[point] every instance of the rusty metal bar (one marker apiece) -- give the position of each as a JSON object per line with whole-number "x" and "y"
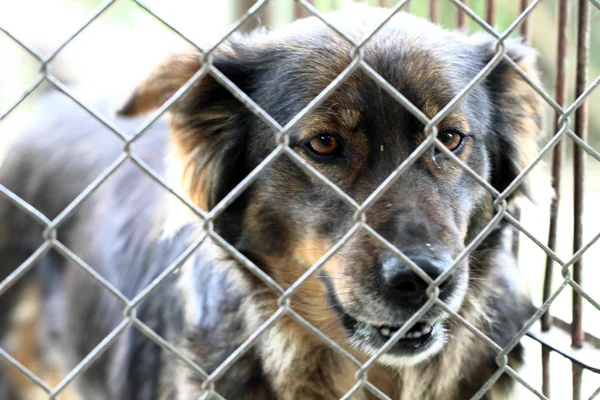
{"x": 581, "y": 119}
{"x": 462, "y": 17}
{"x": 433, "y": 12}
{"x": 581, "y": 122}
{"x": 546, "y": 371}
{"x": 242, "y": 6}
{"x": 560, "y": 94}
{"x": 491, "y": 12}
{"x": 577, "y": 372}
{"x": 565, "y": 326}
{"x": 299, "y": 11}
{"x": 391, "y": 3}
{"x": 517, "y": 211}
{"x": 525, "y": 24}
{"x": 557, "y": 156}
{"x": 516, "y": 234}
{"x": 261, "y": 17}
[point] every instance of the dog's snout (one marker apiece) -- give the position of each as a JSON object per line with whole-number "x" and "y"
{"x": 404, "y": 286}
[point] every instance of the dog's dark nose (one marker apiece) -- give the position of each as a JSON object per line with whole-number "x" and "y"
{"x": 404, "y": 286}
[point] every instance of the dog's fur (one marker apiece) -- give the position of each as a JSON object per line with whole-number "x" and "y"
{"x": 130, "y": 229}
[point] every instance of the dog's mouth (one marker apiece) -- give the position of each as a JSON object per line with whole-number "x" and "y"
{"x": 418, "y": 339}
{"x": 423, "y": 340}
{"x": 420, "y": 332}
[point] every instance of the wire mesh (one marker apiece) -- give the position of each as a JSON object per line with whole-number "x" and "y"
{"x": 564, "y": 127}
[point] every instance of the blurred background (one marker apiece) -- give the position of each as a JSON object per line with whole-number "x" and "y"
{"x": 119, "y": 47}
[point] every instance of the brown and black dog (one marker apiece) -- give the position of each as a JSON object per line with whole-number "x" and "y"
{"x": 130, "y": 229}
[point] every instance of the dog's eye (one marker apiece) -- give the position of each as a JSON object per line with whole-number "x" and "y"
{"x": 324, "y": 145}
{"x": 451, "y": 139}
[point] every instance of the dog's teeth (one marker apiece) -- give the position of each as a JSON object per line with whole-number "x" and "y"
{"x": 414, "y": 335}
{"x": 385, "y": 331}
{"x": 389, "y": 331}
{"x": 427, "y": 330}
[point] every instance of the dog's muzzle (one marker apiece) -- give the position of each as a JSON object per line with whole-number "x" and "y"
{"x": 403, "y": 292}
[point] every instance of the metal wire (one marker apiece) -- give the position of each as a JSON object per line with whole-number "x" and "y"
{"x": 303, "y": 7}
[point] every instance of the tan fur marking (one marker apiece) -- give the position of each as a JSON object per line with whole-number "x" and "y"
{"x": 24, "y": 346}
{"x": 525, "y": 108}
{"x": 161, "y": 84}
{"x": 23, "y": 342}
{"x": 430, "y": 108}
{"x": 193, "y": 182}
{"x": 300, "y": 364}
{"x": 527, "y": 112}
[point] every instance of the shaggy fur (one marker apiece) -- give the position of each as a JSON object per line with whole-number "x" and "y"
{"x": 130, "y": 229}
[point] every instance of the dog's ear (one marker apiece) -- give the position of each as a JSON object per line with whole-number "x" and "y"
{"x": 518, "y": 112}
{"x": 207, "y": 124}
{"x": 164, "y": 80}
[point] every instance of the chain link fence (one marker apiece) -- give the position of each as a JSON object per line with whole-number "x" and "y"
{"x": 571, "y": 124}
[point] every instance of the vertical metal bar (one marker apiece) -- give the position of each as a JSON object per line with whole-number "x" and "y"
{"x": 390, "y": 3}
{"x": 299, "y": 11}
{"x": 546, "y": 371}
{"x": 517, "y": 213}
{"x": 581, "y": 121}
{"x": 560, "y": 90}
{"x": 242, "y": 6}
{"x": 433, "y": 15}
{"x": 577, "y": 381}
{"x": 462, "y": 17}
{"x": 491, "y": 10}
{"x": 525, "y": 24}
{"x": 516, "y": 234}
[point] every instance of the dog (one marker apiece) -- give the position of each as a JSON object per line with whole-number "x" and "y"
{"x": 130, "y": 230}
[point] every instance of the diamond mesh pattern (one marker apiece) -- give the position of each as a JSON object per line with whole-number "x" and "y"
{"x": 281, "y": 132}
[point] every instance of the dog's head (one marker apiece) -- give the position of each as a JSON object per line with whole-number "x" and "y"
{"x": 287, "y": 219}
